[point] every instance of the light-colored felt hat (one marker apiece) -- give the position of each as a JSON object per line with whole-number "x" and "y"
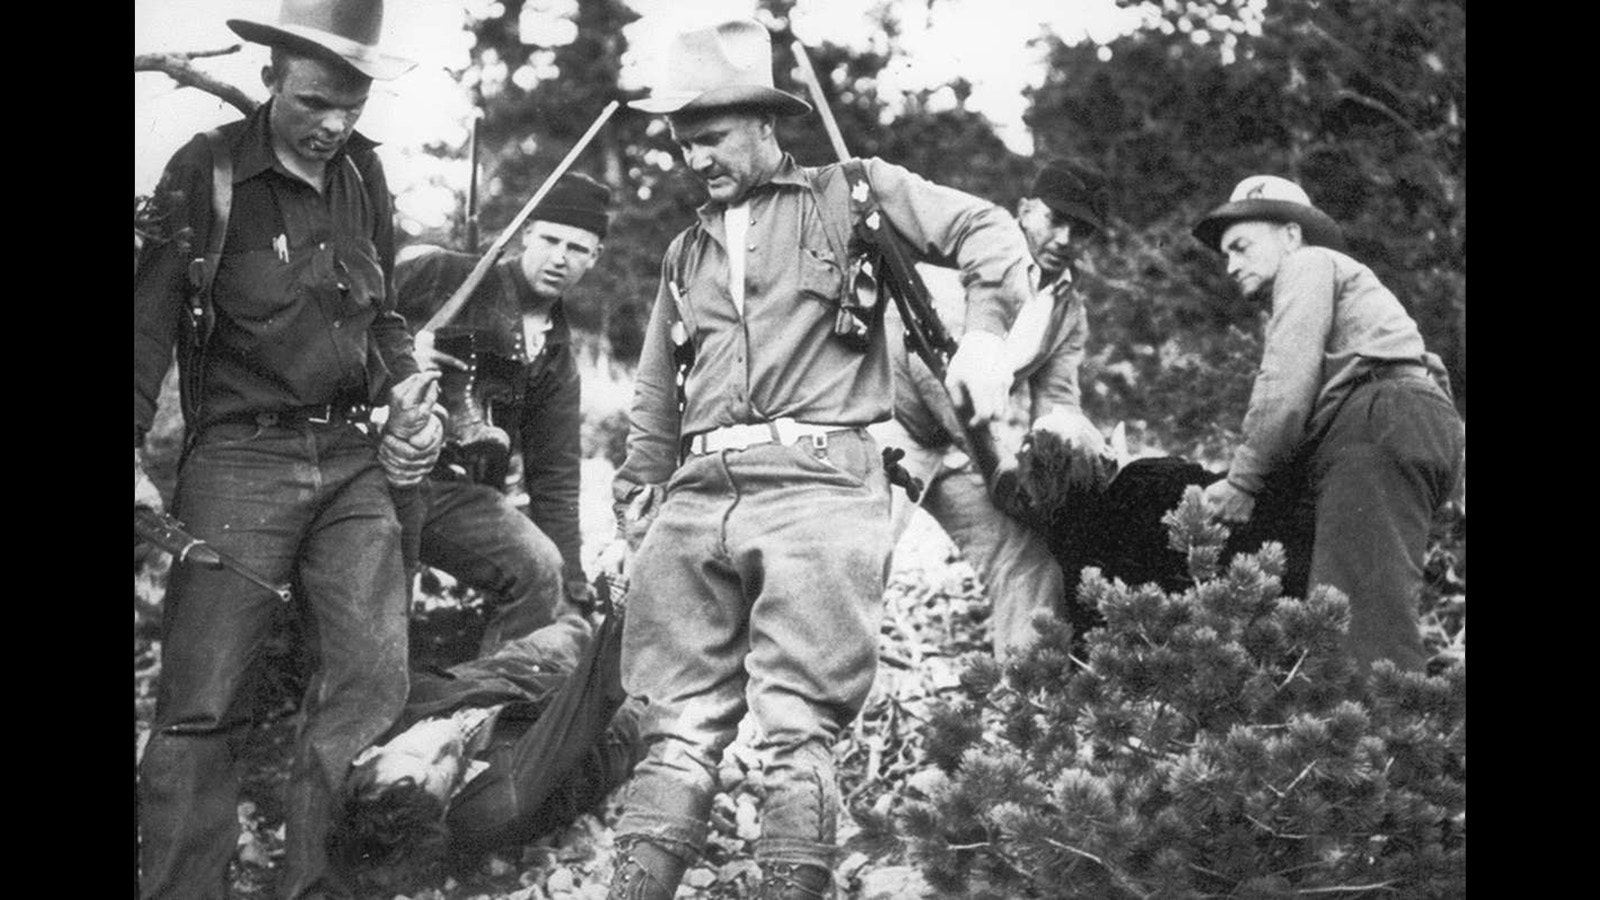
{"x": 724, "y": 65}
{"x": 347, "y": 29}
{"x": 1271, "y": 199}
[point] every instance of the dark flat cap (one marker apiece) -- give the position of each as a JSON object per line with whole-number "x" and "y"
{"x": 576, "y": 200}
{"x": 1075, "y": 190}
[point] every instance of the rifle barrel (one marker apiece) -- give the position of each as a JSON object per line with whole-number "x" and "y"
{"x": 472, "y": 187}
{"x": 459, "y": 298}
{"x": 815, "y": 87}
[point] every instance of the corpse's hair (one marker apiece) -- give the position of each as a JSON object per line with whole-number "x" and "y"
{"x": 387, "y": 836}
{"x": 1061, "y": 486}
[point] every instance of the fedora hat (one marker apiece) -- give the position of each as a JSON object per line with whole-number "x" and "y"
{"x": 347, "y": 29}
{"x": 724, "y": 65}
{"x": 1272, "y": 199}
{"x": 1074, "y": 190}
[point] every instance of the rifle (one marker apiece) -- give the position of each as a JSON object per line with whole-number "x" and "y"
{"x": 475, "y": 278}
{"x": 888, "y": 263}
{"x": 472, "y": 187}
{"x": 169, "y": 534}
{"x": 474, "y": 448}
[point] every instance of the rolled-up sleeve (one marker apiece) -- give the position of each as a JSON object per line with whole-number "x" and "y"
{"x": 948, "y": 227}
{"x": 1290, "y": 377}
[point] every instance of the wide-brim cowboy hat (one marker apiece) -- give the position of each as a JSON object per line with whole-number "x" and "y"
{"x": 720, "y": 66}
{"x": 1271, "y": 199}
{"x": 346, "y": 29}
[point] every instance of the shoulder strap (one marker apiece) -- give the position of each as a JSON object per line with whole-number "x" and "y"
{"x": 202, "y": 278}
{"x": 204, "y": 270}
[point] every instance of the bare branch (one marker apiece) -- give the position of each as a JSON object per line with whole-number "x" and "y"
{"x": 177, "y": 66}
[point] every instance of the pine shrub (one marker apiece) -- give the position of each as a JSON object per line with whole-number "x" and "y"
{"x": 1208, "y": 743}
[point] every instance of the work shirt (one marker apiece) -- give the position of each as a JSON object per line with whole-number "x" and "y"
{"x": 1332, "y": 323}
{"x": 1050, "y": 336}
{"x": 779, "y": 357}
{"x": 531, "y": 389}
{"x": 303, "y": 300}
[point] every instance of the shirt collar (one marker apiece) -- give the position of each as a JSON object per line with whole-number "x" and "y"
{"x": 788, "y": 173}
{"x": 253, "y": 150}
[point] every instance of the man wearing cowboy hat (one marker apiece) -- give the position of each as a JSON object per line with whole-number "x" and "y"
{"x": 1348, "y": 410}
{"x": 1045, "y": 349}
{"x": 273, "y": 283}
{"x": 525, "y": 376}
{"x": 759, "y": 583}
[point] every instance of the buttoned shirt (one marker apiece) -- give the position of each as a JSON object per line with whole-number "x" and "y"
{"x": 303, "y": 299}
{"x": 779, "y": 357}
{"x": 1331, "y": 323}
{"x": 530, "y": 387}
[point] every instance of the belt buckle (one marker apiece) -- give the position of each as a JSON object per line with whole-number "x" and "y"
{"x": 325, "y": 418}
{"x": 819, "y": 441}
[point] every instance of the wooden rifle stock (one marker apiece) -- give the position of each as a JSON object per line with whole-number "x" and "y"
{"x": 925, "y": 332}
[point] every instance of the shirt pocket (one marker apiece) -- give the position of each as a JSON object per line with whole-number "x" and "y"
{"x": 820, "y": 276}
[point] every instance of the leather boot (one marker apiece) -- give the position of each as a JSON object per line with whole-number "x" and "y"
{"x": 793, "y": 881}
{"x": 645, "y": 870}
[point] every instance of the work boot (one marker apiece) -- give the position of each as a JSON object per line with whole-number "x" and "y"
{"x": 793, "y": 881}
{"x": 645, "y": 871}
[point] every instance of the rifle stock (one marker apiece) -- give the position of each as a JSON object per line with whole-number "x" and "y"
{"x": 925, "y": 332}
{"x": 167, "y": 533}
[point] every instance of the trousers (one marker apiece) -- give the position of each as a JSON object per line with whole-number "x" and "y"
{"x": 1021, "y": 577}
{"x": 1391, "y": 457}
{"x": 473, "y": 532}
{"x": 307, "y": 505}
{"x": 759, "y": 587}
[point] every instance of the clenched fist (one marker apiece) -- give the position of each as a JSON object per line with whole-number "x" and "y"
{"x": 414, "y": 432}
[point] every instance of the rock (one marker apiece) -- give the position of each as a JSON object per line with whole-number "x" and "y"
{"x": 560, "y": 881}
{"x": 894, "y": 883}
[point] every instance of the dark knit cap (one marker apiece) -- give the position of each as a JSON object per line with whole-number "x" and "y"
{"x": 576, "y": 200}
{"x": 1074, "y": 190}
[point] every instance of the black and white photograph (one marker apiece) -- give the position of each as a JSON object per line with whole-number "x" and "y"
{"x": 799, "y": 449}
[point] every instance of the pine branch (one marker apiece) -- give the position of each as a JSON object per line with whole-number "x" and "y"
{"x": 177, "y": 67}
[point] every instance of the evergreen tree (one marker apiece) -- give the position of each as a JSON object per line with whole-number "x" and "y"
{"x": 1212, "y": 742}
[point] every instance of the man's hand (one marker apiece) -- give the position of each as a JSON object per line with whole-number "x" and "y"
{"x": 431, "y": 360}
{"x": 978, "y": 376}
{"x": 1074, "y": 429}
{"x": 414, "y": 432}
{"x": 144, "y": 490}
{"x": 1230, "y": 504}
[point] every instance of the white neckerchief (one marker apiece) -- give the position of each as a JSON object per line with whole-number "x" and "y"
{"x": 535, "y": 328}
{"x": 1027, "y": 333}
{"x": 736, "y": 224}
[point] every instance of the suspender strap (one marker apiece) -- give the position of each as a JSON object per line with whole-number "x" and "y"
{"x": 203, "y": 276}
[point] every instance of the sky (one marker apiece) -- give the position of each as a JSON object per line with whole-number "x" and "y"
{"x": 984, "y": 41}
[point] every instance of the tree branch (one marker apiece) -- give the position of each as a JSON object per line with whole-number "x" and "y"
{"x": 178, "y": 68}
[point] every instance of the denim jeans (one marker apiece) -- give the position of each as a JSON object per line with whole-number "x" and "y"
{"x": 1390, "y": 458}
{"x": 474, "y": 533}
{"x": 758, "y": 587}
{"x": 309, "y": 505}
